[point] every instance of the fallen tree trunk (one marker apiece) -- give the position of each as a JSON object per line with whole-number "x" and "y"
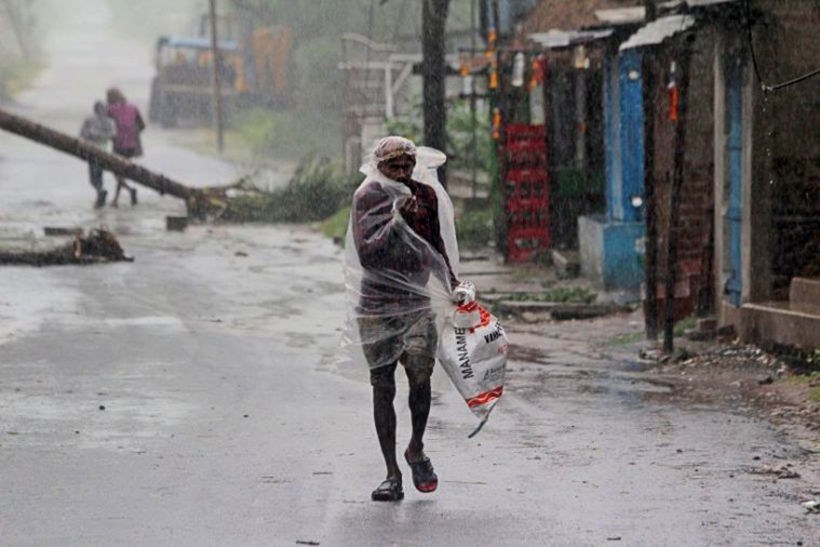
{"x": 198, "y": 201}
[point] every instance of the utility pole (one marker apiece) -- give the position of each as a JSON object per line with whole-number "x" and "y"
{"x": 217, "y": 95}
{"x": 473, "y": 106}
{"x": 651, "y": 245}
{"x": 581, "y": 116}
{"x": 674, "y": 200}
{"x": 433, "y": 24}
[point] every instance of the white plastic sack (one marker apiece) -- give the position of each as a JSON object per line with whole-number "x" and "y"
{"x": 473, "y": 352}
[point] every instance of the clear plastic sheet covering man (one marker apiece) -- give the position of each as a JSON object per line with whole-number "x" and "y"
{"x": 399, "y": 284}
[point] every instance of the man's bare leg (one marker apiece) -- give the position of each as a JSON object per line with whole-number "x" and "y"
{"x": 384, "y": 415}
{"x": 418, "y": 375}
{"x": 419, "y": 402}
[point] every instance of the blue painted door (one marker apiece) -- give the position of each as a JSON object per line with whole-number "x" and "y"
{"x": 734, "y": 157}
{"x": 631, "y": 134}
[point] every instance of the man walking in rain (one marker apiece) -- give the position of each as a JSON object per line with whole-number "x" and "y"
{"x": 400, "y": 274}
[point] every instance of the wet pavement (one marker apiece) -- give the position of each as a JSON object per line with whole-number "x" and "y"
{"x": 192, "y": 397}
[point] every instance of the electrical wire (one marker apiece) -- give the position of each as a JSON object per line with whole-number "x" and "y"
{"x": 794, "y": 81}
{"x": 751, "y": 43}
{"x": 769, "y": 88}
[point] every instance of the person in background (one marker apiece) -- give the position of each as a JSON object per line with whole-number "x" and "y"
{"x": 98, "y": 129}
{"x": 127, "y": 141}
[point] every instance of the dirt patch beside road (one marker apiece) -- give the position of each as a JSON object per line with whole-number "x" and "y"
{"x": 747, "y": 378}
{"x": 780, "y": 388}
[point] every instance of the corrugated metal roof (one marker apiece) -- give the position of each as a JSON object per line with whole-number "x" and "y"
{"x": 659, "y": 30}
{"x": 702, "y": 3}
{"x": 555, "y": 39}
{"x": 569, "y": 14}
{"x": 621, "y": 16}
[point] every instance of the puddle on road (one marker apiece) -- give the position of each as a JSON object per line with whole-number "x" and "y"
{"x": 603, "y": 375}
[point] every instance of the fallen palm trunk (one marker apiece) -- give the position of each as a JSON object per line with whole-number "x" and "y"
{"x": 99, "y": 246}
{"x": 200, "y": 202}
{"x": 316, "y": 191}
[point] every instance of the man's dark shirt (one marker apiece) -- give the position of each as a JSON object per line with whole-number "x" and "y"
{"x": 395, "y": 250}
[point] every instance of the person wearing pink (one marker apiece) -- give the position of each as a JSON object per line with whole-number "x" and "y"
{"x": 127, "y": 142}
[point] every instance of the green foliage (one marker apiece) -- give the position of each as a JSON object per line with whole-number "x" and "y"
{"x": 335, "y": 227}
{"x": 316, "y": 191}
{"x": 460, "y": 127}
{"x": 459, "y": 134}
{"x": 474, "y": 229}
{"x": 684, "y": 325}
{"x": 575, "y": 295}
{"x": 408, "y": 127}
{"x": 317, "y": 80}
{"x": 808, "y": 378}
{"x": 16, "y": 76}
{"x": 287, "y": 134}
{"x": 257, "y": 129}
{"x": 570, "y": 183}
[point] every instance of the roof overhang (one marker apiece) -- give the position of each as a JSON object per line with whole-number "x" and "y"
{"x": 556, "y": 39}
{"x": 707, "y": 3}
{"x": 658, "y": 31}
{"x": 621, "y": 16}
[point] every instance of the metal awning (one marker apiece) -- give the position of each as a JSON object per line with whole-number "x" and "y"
{"x": 555, "y": 39}
{"x": 621, "y": 16}
{"x": 659, "y": 30}
{"x": 706, "y": 3}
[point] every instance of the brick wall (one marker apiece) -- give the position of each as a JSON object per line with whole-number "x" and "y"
{"x": 694, "y": 227}
{"x": 786, "y": 144}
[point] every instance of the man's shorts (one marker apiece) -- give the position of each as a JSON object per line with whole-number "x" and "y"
{"x": 410, "y": 339}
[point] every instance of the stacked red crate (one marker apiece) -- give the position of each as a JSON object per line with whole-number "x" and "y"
{"x": 525, "y": 191}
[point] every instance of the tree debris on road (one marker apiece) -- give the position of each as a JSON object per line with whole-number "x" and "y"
{"x": 782, "y": 472}
{"x": 99, "y": 246}
{"x": 315, "y": 192}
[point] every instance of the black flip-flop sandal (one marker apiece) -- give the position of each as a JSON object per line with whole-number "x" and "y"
{"x": 388, "y": 490}
{"x": 424, "y": 478}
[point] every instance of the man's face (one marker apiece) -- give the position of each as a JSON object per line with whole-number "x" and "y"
{"x": 399, "y": 168}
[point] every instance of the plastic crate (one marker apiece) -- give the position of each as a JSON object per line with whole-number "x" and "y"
{"x": 525, "y": 191}
{"x": 515, "y": 132}
{"x": 523, "y": 154}
{"x": 525, "y": 184}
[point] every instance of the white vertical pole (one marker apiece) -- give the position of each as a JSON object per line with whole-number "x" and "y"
{"x": 388, "y": 90}
{"x": 217, "y": 96}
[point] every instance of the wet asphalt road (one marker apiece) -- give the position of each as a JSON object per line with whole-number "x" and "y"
{"x": 192, "y": 397}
